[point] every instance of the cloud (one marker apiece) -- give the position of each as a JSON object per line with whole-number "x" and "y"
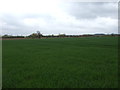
{"x": 24, "y": 18}
{"x": 92, "y": 10}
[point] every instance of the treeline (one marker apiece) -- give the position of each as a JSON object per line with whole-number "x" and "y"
{"x": 10, "y": 36}
{"x": 39, "y": 35}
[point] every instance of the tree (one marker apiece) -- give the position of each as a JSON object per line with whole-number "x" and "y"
{"x": 39, "y": 34}
{"x": 34, "y": 35}
{"x": 61, "y": 35}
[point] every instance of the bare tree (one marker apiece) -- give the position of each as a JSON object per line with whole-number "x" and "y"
{"x": 39, "y": 34}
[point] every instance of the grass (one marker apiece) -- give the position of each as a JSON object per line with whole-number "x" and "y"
{"x": 88, "y": 62}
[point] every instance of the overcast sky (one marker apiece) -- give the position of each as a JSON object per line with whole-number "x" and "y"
{"x": 23, "y": 17}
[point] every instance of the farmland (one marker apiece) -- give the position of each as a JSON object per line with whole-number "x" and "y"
{"x": 86, "y": 62}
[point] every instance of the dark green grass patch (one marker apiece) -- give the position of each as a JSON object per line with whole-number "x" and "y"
{"x": 89, "y": 62}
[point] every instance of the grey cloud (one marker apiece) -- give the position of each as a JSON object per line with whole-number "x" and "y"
{"x": 92, "y": 9}
{"x": 88, "y": 11}
{"x": 13, "y": 25}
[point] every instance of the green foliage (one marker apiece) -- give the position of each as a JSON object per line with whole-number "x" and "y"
{"x": 86, "y": 62}
{"x": 35, "y": 35}
{"x": 61, "y": 35}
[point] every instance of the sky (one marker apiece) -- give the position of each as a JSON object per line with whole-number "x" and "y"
{"x": 24, "y": 17}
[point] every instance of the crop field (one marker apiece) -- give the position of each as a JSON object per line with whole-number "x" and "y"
{"x": 85, "y": 62}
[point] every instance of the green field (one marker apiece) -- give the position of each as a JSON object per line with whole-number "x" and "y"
{"x": 86, "y": 62}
